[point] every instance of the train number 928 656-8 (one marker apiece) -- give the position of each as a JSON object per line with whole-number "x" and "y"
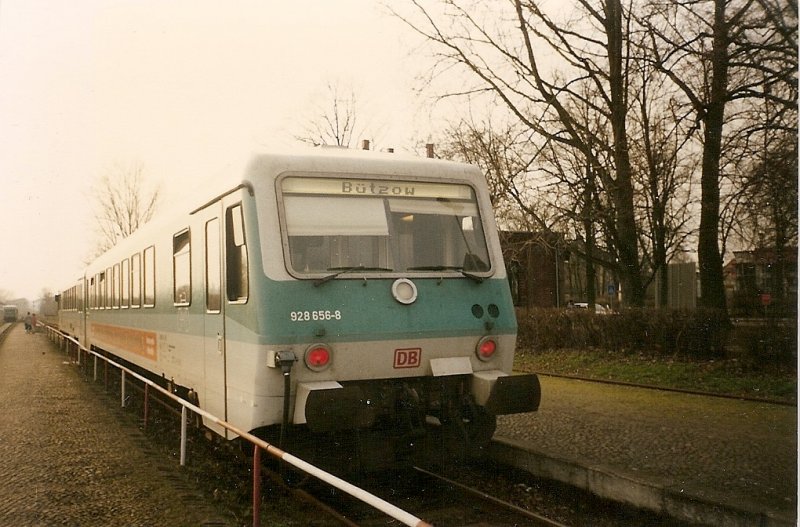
{"x": 304, "y": 316}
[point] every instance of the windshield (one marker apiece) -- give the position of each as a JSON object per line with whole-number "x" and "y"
{"x": 334, "y": 224}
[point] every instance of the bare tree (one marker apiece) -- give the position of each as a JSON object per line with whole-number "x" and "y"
{"x": 664, "y": 162}
{"x": 47, "y": 305}
{"x": 502, "y": 151}
{"x": 332, "y": 118}
{"x": 769, "y": 214}
{"x": 606, "y": 99}
{"x": 506, "y": 60}
{"x": 122, "y": 204}
{"x": 721, "y": 53}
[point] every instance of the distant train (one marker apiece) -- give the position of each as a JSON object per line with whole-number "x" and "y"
{"x": 335, "y": 289}
{"x": 10, "y": 313}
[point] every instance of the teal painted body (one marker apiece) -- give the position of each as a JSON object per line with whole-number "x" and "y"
{"x": 444, "y": 308}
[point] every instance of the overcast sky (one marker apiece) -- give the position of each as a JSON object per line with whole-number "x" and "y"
{"x": 184, "y": 87}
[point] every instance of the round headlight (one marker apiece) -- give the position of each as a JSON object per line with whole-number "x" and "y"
{"x": 318, "y": 357}
{"x": 486, "y": 348}
{"x": 404, "y": 291}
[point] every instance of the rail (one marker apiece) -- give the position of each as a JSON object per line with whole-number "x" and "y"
{"x": 259, "y": 445}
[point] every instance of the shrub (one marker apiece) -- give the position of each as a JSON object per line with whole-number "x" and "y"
{"x": 698, "y": 333}
{"x": 765, "y": 346}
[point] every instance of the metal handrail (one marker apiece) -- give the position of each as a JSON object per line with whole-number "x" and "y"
{"x": 258, "y": 445}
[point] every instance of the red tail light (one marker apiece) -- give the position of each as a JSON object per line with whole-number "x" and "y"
{"x": 318, "y": 357}
{"x": 486, "y": 348}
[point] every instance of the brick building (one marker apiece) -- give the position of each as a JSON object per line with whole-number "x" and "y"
{"x": 758, "y": 282}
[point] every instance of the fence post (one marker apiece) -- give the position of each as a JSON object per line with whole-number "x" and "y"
{"x": 256, "y": 486}
{"x": 95, "y": 368}
{"x": 183, "y": 435}
{"x": 146, "y": 403}
{"x": 122, "y": 390}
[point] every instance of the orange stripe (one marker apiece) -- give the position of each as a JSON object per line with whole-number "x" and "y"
{"x": 126, "y": 339}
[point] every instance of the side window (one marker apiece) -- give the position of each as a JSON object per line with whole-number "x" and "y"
{"x": 182, "y": 268}
{"x": 125, "y": 283}
{"x": 150, "y": 277}
{"x": 109, "y": 286}
{"x": 238, "y": 286}
{"x": 80, "y": 294}
{"x": 92, "y": 291}
{"x": 213, "y": 267}
{"x": 101, "y": 290}
{"x": 115, "y": 288}
{"x": 136, "y": 277}
{"x": 98, "y": 292}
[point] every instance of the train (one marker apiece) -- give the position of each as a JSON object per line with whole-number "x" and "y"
{"x": 331, "y": 291}
{"x": 10, "y": 313}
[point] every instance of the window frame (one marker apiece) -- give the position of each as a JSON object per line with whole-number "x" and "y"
{"x": 237, "y": 256}
{"x": 136, "y": 281}
{"x": 182, "y": 252}
{"x": 216, "y": 257}
{"x": 149, "y": 277}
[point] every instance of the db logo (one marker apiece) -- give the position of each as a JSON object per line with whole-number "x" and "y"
{"x": 407, "y": 357}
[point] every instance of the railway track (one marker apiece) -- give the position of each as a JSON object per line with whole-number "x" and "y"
{"x": 504, "y": 496}
{"x": 221, "y": 471}
{"x": 442, "y": 501}
{"x": 484, "y": 495}
{"x": 450, "y": 497}
{"x": 509, "y": 511}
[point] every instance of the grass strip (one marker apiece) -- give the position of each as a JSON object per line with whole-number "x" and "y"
{"x": 721, "y": 376}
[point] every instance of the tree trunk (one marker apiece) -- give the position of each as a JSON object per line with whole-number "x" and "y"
{"x": 589, "y": 236}
{"x": 622, "y": 193}
{"x": 712, "y": 287}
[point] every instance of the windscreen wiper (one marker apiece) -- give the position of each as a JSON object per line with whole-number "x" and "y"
{"x": 461, "y": 270}
{"x": 345, "y": 270}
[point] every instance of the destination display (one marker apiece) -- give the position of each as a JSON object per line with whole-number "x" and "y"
{"x": 375, "y": 187}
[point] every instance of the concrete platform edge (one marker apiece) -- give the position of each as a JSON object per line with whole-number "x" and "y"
{"x": 5, "y": 328}
{"x": 627, "y": 489}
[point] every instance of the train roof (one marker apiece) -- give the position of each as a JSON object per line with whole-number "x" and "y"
{"x": 340, "y": 159}
{"x": 249, "y": 174}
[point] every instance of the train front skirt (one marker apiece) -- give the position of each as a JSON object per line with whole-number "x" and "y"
{"x": 330, "y": 406}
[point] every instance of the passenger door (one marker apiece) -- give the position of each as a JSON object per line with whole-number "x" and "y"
{"x": 214, "y": 396}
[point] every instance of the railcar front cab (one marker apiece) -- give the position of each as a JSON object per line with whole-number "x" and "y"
{"x": 417, "y": 343}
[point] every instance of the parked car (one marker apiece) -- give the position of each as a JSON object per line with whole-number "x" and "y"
{"x": 599, "y": 309}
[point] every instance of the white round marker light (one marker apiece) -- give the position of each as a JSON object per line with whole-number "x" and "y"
{"x": 404, "y": 291}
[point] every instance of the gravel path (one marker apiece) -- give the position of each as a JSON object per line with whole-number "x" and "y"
{"x": 64, "y": 459}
